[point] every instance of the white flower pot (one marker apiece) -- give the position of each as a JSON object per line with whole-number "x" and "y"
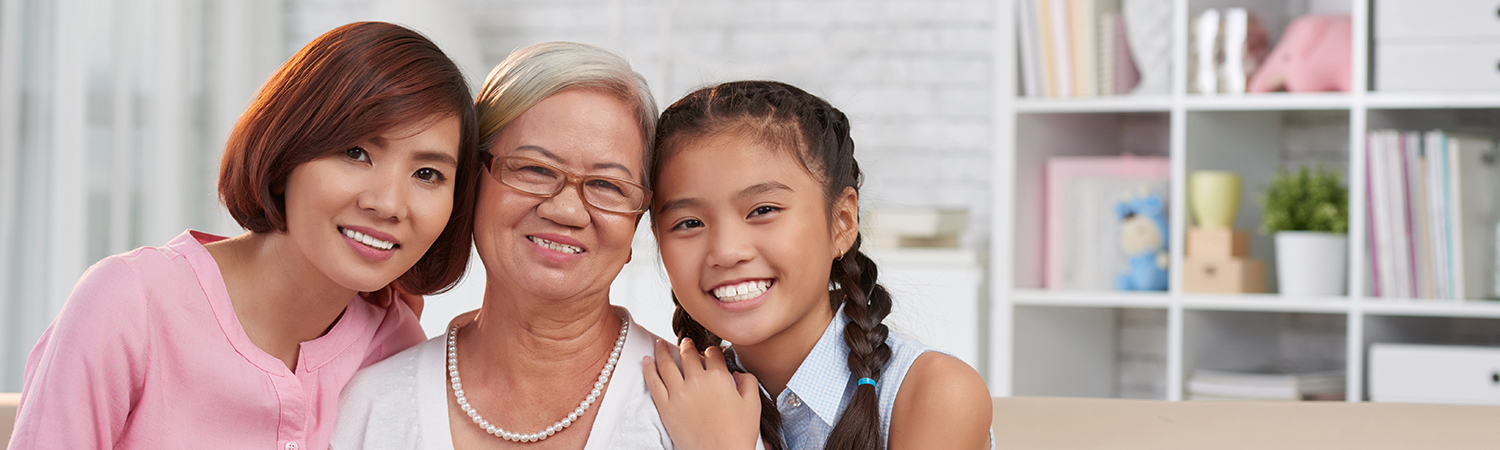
{"x": 1312, "y": 264}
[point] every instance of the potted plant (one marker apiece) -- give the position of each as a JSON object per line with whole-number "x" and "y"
{"x": 1308, "y": 212}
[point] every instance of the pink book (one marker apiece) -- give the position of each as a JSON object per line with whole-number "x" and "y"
{"x": 1081, "y": 193}
{"x": 1370, "y": 203}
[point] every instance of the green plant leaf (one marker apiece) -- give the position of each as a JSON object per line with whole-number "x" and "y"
{"x": 1305, "y": 200}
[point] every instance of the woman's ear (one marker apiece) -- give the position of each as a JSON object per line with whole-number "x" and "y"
{"x": 845, "y": 221}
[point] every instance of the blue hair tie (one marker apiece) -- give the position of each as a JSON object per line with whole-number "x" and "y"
{"x": 868, "y": 381}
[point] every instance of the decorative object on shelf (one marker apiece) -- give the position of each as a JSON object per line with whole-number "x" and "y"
{"x": 1217, "y": 258}
{"x": 1308, "y": 211}
{"x": 890, "y": 228}
{"x": 1149, "y": 24}
{"x": 1218, "y": 261}
{"x": 1081, "y": 229}
{"x": 1208, "y": 50}
{"x": 1215, "y": 197}
{"x": 1314, "y": 55}
{"x": 1246, "y": 46}
{"x": 1143, "y": 237}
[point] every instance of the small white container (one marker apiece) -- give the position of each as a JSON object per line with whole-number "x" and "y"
{"x": 1408, "y": 373}
{"x": 1312, "y": 264}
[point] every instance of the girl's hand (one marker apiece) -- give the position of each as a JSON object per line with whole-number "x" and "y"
{"x": 703, "y": 405}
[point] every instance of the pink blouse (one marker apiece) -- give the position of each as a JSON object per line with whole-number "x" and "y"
{"x": 147, "y": 353}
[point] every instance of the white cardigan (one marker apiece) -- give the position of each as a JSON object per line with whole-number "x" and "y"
{"x": 402, "y": 402}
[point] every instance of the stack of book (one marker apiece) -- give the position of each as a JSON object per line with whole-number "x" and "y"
{"x": 1074, "y": 48}
{"x": 1213, "y": 385}
{"x": 1433, "y": 202}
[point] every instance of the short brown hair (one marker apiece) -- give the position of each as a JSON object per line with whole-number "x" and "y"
{"x": 346, "y": 86}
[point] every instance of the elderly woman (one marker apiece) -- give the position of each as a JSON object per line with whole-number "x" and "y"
{"x": 568, "y": 129}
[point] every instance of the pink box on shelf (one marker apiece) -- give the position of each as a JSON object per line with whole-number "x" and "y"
{"x": 1082, "y": 225}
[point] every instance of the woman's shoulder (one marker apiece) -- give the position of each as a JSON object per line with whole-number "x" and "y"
{"x": 394, "y": 374}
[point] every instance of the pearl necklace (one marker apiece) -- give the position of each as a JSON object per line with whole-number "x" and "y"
{"x": 463, "y": 403}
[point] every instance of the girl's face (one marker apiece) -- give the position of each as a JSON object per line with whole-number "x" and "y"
{"x": 364, "y": 215}
{"x": 560, "y": 247}
{"x": 746, "y": 239}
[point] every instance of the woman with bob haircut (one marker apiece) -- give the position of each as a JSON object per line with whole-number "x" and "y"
{"x": 353, "y": 169}
{"x": 567, "y": 130}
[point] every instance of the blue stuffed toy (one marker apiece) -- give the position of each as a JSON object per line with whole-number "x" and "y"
{"x": 1143, "y": 236}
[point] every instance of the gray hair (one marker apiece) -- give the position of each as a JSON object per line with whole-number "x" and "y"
{"x": 533, "y": 73}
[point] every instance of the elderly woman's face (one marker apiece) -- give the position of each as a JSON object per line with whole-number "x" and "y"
{"x": 560, "y": 247}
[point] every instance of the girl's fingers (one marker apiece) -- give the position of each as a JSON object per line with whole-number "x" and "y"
{"x": 748, "y": 386}
{"x": 692, "y": 362}
{"x": 653, "y": 381}
{"x": 713, "y": 360}
{"x": 671, "y": 377}
{"x": 412, "y": 301}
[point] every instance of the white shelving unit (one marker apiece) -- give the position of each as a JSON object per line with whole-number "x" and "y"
{"x": 1066, "y": 343}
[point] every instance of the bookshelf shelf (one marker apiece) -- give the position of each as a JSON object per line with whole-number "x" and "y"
{"x": 1097, "y": 299}
{"x": 1266, "y": 303}
{"x": 1038, "y": 333}
{"x": 1431, "y": 308}
{"x": 1095, "y": 105}
{"x": 1271, "y": 101}
{"x": 1436, "y": 100}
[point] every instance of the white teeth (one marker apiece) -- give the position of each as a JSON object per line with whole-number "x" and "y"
{"x": 367, "y": 240}
{"x": 565, "y": 248}
{"x": 741, "y": 292}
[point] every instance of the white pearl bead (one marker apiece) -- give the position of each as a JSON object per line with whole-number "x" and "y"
{"x": 556, "y": 427}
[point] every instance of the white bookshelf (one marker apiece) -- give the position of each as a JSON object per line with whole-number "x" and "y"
{"x": 1066, "y": 343}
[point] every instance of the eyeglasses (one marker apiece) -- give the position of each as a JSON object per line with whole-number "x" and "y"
{"x": 537, "y": 178}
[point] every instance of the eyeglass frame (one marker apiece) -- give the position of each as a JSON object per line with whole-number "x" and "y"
{"x": 571, "y": 179}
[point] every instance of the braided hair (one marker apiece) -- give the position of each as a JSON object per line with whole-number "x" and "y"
{"x": 789, "y": 118}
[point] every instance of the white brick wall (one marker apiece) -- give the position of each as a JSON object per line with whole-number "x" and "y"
{"x": 914, "y": 76}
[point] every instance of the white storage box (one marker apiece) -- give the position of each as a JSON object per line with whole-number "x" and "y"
{"x": 1425, "y": 45}
{"x": 1410, "y": 373}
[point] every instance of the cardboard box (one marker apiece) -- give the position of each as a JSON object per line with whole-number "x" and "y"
{"x": 1226, "y": 276}
{"x": 1217, "y": 243}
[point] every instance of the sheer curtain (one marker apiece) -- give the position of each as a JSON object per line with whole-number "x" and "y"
{"x": 113, "y": 114}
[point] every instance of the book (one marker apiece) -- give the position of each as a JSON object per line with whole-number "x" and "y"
{"x": 1030, "y": 46}
{"x": 1396, "y": 216}
{"x": 1255, "y": 385}
{"x": 1474, "y": 179}
{"x": 1435, "y": 146}
{"x": 1061, "y": 47}
{"x": 1373, "y": 226}
{"x": 1081, "y": 22}
{"x": 1380, "y": 206}
{"x": 1421, "y": 248}
{"x": 1107, "y": 37}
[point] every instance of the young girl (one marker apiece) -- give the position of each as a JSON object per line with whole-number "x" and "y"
{"x": 757, "y": 215}
{"x": 353, "y": 169}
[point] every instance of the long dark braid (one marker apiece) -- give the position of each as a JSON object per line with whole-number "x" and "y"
{"x": 790, "y": 118}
